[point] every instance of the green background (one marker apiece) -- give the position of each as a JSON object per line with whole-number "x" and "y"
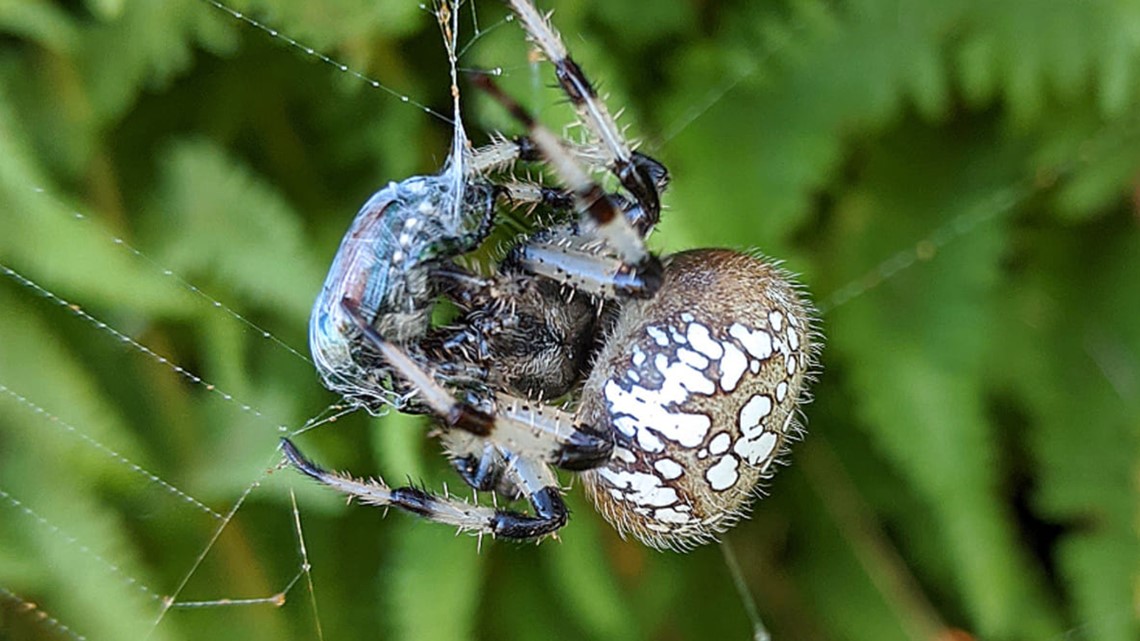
{"x": 955, "y": 182}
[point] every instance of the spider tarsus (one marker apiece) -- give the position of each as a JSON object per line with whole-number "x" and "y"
{"x": 298, "y": 461}
{"x": 550, "y": 515}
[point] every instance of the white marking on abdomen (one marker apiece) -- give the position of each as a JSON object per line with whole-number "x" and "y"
{"x": 781, "y": 391}
{"x": 701, "y": 341}
{"x": 758, "y": 449}
{"x": 723, "y": 475}
{"x": 732, "y": 367}
{"x": 719, "y": 444}
{"x": 691, "y": 358}
{"x": 753, "y": 413}
{"x": 641, "y": 488}
{"x": 671, "y": 515}
{"x": 757, "y": 342}
{"x": 669, "y": 468}
{"x": 646, "y": 409}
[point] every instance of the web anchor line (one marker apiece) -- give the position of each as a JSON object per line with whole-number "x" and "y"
{"x": 113, "y": 454}
{"x": 33, "y": 610}
{"x": 999, "y": 203}
{"x": 171, "y": 601}
{"x": 310, "y": 51}
{"x": 182, "y": 282}
{"x": 166, "y": 602}
{"x": 759, "y": 631}
{"x": 927, "y": 247}
{"x": 123, "y": 338}
{"x": 306, "y": 567}
{"x": 278, "y": 599}
{"x": 73, "y": 541}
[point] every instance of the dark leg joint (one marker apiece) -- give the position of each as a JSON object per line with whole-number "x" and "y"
{"x": 478, "y": 472}
{"x": 652, "y": 170}
{"x": 528, "y": 151}
{"x": 641, "y": 280}
{"x": 413, "y": 500}
{"x": 646, "y": 182}
{"x": 469, "y": 419}
{"x": 600, "y": 207}
{"x": 573, "y": 81}
{"x": 585, "y": 451}
{"x": 637, "y": 180}
{"x": 550, "y": 515}
{"x": 557, "y": 198}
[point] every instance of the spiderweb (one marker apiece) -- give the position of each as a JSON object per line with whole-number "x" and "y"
{"x": 210, "y": 538}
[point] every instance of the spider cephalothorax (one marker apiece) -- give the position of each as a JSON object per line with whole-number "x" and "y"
{"x": 684, "y": 374}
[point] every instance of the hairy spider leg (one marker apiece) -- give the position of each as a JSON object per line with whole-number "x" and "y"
{"x": 573, "y": 258}
{"x": 642, "y": 217}
{"x": 533, "y": 478}
{"x": 503, "y": 152}
{"x": 520, "y": 427}
{"x": 641, "y": 175}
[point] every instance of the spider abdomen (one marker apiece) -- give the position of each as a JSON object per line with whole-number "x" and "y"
{"x": 700, "y": 386}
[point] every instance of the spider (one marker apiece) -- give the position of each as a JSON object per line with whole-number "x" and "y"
{"x": 685, "y": 373}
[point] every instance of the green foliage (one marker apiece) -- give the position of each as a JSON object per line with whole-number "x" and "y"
{"x": 954, "y": 180}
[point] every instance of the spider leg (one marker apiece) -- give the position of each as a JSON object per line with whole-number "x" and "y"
{"x": 551, "y": 434}
{"x": 641, "y": 175}
{"x": 535, "y": 479}
{"x": 528, "y": 428}
{"x": 558, "y": 253}
{"x": 503, "y": 152}
{"x": 640, "y": 272}
{"x": 478, "y": 462}
{"x": 481, "y": 465}
{"x": 520, "y": 192}
{"x": 580, "y": 263}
